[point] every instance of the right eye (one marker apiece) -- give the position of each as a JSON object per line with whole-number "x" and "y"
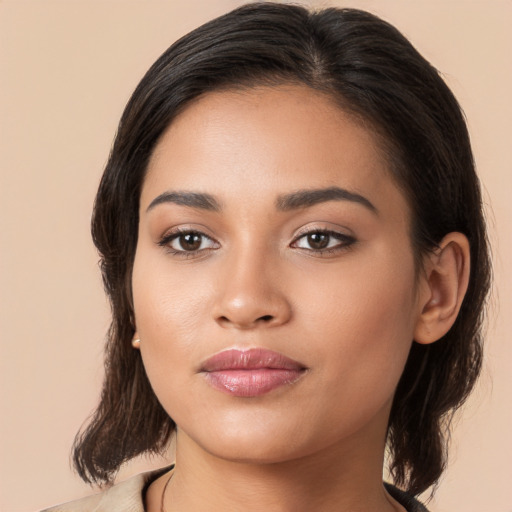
{"x": 188, "y": 242}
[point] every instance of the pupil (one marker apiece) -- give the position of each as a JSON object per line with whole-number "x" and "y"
{"x": 190, "y": 241}
{"x": 318, "y": 240}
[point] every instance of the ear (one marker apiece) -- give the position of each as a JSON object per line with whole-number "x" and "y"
{"x": 444, "y": 284}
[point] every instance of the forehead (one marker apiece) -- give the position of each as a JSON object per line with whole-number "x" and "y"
{"x": 268, "y": 140}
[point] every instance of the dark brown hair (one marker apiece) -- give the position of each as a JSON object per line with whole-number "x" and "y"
{"x": 372, "y": 71}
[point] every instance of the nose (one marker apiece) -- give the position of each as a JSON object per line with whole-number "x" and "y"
{"x": 252, "y": 294}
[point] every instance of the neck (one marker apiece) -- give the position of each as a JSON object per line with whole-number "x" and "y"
{"x": 338, "y": 478}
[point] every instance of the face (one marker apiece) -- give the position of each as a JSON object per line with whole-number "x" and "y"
{"x": 274, "y": 282}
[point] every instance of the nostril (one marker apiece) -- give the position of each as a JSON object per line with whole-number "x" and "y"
{"x": 245, "y": 323}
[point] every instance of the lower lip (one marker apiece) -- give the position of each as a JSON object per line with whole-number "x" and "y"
{"x": 251, "y": 382}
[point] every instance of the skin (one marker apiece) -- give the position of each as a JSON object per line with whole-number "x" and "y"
{"x": 348, "y": 314}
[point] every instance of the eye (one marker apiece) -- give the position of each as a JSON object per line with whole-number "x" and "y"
{"x": 323, "y": 241}
{"x": 183, "y": 242}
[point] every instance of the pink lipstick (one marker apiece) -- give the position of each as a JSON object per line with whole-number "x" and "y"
{"x": 250, "y": 373}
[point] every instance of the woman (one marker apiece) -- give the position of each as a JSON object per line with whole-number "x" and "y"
{"x": 293, "y": 245}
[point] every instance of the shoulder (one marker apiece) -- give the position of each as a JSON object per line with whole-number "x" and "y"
{"x": 126, "y": 496}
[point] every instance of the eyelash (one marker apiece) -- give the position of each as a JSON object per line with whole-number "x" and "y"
{"x": 345, "y": 241}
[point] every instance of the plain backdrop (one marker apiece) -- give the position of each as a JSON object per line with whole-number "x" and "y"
{"x": 67, "y": 69}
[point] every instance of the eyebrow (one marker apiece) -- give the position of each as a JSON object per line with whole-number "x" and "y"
{"x": 190, "y": 199}
{"x": 307, "y": 198}
{"x": 287, "y": 202}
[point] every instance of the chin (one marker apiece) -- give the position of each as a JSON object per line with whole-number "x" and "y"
{"x": 255, "y": 452}
{"x": 262, "y": 441}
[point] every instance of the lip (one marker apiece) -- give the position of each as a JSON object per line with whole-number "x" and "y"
{"x": 250, "y": 373}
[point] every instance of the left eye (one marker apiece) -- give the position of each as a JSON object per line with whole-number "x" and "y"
{"x": 322, "y": 240}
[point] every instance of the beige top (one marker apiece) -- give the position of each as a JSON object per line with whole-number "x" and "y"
{"x": 126, "y": 496}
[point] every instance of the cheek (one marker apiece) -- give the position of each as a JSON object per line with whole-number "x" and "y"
{"x": 168, "y": 333}
{"x": 165, "y": 298}
{"x": 366, "y": 320}
{"x": 167, "y": 313}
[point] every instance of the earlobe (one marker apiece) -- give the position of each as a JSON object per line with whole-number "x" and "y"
{"x": 445, "y": 283}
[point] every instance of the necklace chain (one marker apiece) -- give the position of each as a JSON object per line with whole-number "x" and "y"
{"x": 162, "y": 507}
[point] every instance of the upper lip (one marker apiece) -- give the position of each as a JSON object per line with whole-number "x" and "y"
{"x": 249, "y": 359}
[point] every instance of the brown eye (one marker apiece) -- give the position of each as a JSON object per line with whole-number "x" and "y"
{"x": 190, "y": 241}
{"x": 318, "y": 240}
{"x": 323, "y": 241}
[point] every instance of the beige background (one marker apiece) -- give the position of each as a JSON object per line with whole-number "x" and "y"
{"x": 66, "y": 70}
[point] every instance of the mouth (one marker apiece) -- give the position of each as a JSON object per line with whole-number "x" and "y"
{"x": 250, "y": 373}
